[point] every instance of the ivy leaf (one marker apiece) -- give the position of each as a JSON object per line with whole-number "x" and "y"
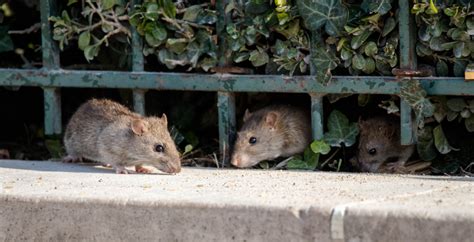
{"x": 324, "y": 61}
{"x": 440, "y": 140}
{"x": 152, "y": 11}
{"x": 192, "y": 13}
{"x": 442, "y": 68}
{"x": 169, "y": 9}
{"x": 469, "y": 123}
{"x": 371, "y": 49}
{"x": 91, "y": 51}
{"x": 330, "y": 14}
{"x": 259, "y": 57}
{"x": 84, "y": 40}
{"x": 390, "y": 25}
{"x": 456, "y": 104}
{"x": 415, "y": 96}
{"x": 6, "y": 43}
{"x": 309, "y": 162}
{"x": 358, "y": 40}
{"x": 177, "y": 46}
{"x": 425, "y": 143}
{"x": 340, "y": 130}
{"x": 320, "y": 147}
{"x": 377, "y": 6}
{"x": 108, "y": 4}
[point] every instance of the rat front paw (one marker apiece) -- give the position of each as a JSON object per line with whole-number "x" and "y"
{"x": 141, "y": 169}
{"x": 122, "y": 170}
{"x": 72, "y": 159}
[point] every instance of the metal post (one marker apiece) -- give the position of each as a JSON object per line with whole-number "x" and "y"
{"x": 49, "y": 47}
{"x": 317, "y": 118}
{"x": 317, "y": 115}
{"x": 226, "y": 109}
{"x": 52, "y": 95}
{"x": 52, "y": 111}
{"x": 138, "y": 66}
{"x": 139, "y": 101}
{"x": 407, "y": 31}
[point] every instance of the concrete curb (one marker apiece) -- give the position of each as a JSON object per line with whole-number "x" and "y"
{"x": 55, "y": 201}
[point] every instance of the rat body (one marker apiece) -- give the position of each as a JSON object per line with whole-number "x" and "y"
{"x": 379, "y": 146}
{"x": 269, "y": 133}
{"x": 105, "y": 131}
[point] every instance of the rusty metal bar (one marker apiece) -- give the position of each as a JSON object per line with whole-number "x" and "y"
{"x": 138, "y": 64}
{"x": 317, "y": 115}
{"x": 52, "y": 111}
{"x": 227, "y": 124}
{"x": 48, "y": 45}
{"x": 407, "y": 30}
{"x": 227, "y": 83}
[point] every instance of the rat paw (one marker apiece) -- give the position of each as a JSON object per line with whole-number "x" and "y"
{"x": 72, "y": 159}
{"x": 122, "y": 170}
{"x": 141, "y": 169}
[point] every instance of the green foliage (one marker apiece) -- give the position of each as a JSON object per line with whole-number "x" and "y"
{"x": 177, "y": 36}
{"x": 445, "y": 30}
{"x": 415, "y": 96}
{"x": 331, "y": 14}
{"x": 310, "y": 159}
{"x": 267, "y": 34}
{"x": 362, "y": 36}
{"x": 101, "y": 22}
{"x": 340, "y": 131}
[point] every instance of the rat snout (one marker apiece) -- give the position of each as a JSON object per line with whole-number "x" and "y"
{"x": 174, "y": 167}
{"x": 241, "y": 161}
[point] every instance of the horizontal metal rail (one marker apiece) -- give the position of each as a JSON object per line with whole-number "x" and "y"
{"x": 226, "y": 82}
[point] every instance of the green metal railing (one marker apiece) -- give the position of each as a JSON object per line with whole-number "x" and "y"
{"x": 52, "y": 78}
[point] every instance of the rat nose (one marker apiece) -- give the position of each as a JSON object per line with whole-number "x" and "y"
{"x": 235, "y": 161}
{"x": 174, "y": 167}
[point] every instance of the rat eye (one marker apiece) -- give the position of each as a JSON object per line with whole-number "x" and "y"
{"x": 372, "y": 151}
{"x": 252, "y": 140}
{"x": 159, "y": 148}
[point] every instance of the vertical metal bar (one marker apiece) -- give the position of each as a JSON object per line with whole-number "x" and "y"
{"x": 225, "y": 100}
{"x": 52, "y": 111}
{"x": 49, "y": 47}
{"x": 220, "y": 30}
{"x": 226, "y": 109}
{"x": 137, "y": 66}
{"x": 317, "y": 115}
{"x": 317, "y": 118}
{"x": 139, "y": 101}
{"x": 407, "y": 31}
{"x": 50, "y": 51}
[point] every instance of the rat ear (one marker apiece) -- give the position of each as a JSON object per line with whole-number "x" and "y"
{"x": 247, "y": 114}
{"x": 139, "y": 127}
{"x": 271, "y": 118}
{"x": 164, "y": 119}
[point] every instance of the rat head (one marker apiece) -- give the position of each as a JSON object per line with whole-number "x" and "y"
{"x": 377, "y": 138}
{"x": 259, "y": 139}
{"x": 151, "y": 143}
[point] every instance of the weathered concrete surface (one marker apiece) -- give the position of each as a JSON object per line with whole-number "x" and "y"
{"x": 54, "y": 201}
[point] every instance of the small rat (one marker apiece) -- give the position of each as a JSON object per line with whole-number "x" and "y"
{"x": 105, "y": 131}
{"x": 269, "y": 133}
{"x": 379, "y": 146}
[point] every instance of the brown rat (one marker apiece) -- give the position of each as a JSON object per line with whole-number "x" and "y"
{"x": 379, "y": 146}
{"x": 105, "y": 131}
{"x": 269, "y": 133}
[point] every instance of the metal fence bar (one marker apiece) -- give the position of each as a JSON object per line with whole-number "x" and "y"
{"x": 224, "y": 82}
{"x": 407, "y": 30}
{"x": 317, "y": 118}
{"x": 225, "y": 100}
{"x": 317, "y": 115}
{"x": 50, "y": 51}
{"x": 227, "y": 125}
{"x": 52, "y": 111}
{"x": 138, "y": 64}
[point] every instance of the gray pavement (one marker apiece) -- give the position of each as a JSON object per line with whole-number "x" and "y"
{"x": 41, "y": 200}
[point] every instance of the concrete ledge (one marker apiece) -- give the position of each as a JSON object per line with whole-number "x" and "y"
{"x": 54, "y": 201}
